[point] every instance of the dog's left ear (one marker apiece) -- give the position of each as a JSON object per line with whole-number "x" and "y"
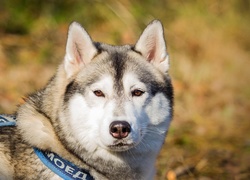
{"x": 151, "y": 45}
{"x": 80, "y": 49}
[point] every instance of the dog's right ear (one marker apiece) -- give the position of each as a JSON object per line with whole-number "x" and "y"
{"x": 152, "y": 46}
{"x": 80, "y": 49}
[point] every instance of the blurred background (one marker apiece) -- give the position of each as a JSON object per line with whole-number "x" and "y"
{"x": 209, "y": 46}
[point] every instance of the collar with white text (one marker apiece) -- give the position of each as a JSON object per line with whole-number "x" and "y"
{"x": 62, "y": 167}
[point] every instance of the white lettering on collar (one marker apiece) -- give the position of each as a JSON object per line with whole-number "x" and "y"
{"x": 68, "y": 169}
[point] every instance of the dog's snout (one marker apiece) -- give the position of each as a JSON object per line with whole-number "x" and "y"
{"x": 119, "y": 129}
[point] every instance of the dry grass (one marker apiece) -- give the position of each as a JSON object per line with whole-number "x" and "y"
{"x": 209, "y": 45}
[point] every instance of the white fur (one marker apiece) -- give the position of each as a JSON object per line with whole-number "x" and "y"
{"x": 91, "y": 116}
{"x": 152, "y": 118}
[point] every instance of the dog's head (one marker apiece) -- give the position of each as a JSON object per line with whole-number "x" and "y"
{"x": 118, "y": 98}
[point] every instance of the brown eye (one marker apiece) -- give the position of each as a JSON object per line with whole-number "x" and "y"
{"x": 99, "y": 93}
{"x": 137, "y": 92}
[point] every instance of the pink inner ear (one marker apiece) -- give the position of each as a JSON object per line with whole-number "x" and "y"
{"x": 77, "y": 54}
{"x": 151, "y": 55}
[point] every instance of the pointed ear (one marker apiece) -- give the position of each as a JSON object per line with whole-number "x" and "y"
{"x": 80, "y": 49}
{"x": 151, "y": 45}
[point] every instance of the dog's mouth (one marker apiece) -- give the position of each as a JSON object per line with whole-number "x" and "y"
{"x": 121, "y": 146}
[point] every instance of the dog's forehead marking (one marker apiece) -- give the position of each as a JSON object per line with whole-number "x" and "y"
{"x": 105, "y": 82}
{"x": 131, "y": 80}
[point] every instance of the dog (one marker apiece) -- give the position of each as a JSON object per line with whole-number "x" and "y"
{"x": 103, "y": 115}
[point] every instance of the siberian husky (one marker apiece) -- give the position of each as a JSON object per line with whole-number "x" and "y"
{"x": 103, "y": 115}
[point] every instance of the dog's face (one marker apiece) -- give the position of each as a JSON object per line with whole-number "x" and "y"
{"x": 119, "y": 97}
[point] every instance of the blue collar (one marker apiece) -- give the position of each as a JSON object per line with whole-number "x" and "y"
{"x": 62, "y": 167}
{"x": 55, "y": 163}
{"x": 7, "y": 120}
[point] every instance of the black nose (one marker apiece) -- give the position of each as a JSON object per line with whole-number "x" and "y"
{"x": 119, "y": 129}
